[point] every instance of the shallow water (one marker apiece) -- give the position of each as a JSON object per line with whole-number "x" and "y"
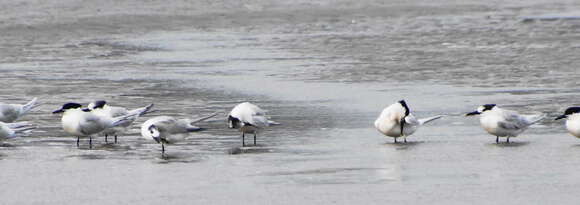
{"x": 324, "y": 70}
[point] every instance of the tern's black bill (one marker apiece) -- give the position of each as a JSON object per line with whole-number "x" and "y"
{"x": 560, "y": 117}
{"x": 57, "y": 111}
{"x": 472, "y": 113}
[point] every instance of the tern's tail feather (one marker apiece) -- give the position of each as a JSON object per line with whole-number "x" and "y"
{"x": 141, "y": 111}
{"x": 532, "y": 119}
{"x": 29, "y": 106}
{"x": 429, "y": 119}
{"x": 118, "y": 121}
{"x": 128, "y": 118}
{"x": 23, "y": 129}
{"x": 194, "y": 129}
{"x": 16, "y": 125}
{"x": 20, "y": 127}
{"x": 271, "y": 122}
{"x": 203, "y": 118}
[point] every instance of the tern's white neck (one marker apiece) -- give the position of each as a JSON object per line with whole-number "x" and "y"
{"x": 574, "y": 117}
{"x": 72, "y": 111}
{"x": 492, "y": 111}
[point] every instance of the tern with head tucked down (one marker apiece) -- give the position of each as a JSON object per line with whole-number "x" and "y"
{"x": 11, "y": 112}
{"x": 248, "y": 118}
{"x": 12, "y": 130}
{"x": 572, "y": 116}
{"x": 83, "y": 123}
{"x": 504, "y": 123}
{"x": 397, "y": 121}
{"x": 168, "y": 130}
{"x": 101, "y": 108}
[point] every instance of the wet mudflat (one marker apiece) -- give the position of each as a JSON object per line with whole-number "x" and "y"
{"x": 324, "y": 70}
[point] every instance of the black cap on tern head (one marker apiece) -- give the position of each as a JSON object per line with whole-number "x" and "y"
{"x": 67, "y": 106}
{"x": 99, "y": 104}
{"x": 487, "y": 107}
{"x": 404, "y": 104}
{"x": 152, "y": 129}
{"x": 481, "y": 109}
{"x": 407, "y": 111}
{"x": 569, "y": 111}
{"x": 572, "y": 110}
{"x": 233, "y": 122}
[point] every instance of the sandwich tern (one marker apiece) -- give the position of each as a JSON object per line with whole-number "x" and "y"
{"x": 168, "y": 130}
{"x": 572, "y": 115}
{"x": 504, "y": 123}
{"x": 83, "y": 123}
{"x": 397, "y": 121}
{"x": 101, "y": 108}
{"x": 248, "y": 118}
{"x": 12, "y": 130}
{"x": 11, "y": 112}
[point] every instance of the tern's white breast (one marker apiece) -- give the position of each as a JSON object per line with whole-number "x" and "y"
{"x": 70, "y": 122}
{"x": 79, "y": 123}
{"x": 573, "y": 125}
{"x": 389, "y": 122}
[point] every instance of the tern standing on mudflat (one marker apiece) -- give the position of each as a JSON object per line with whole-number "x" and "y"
{"x": 249, "y": 119}
{"x": 101, "y": 108}
{"x": 168, "y": 130}
{"x": 397, "y": 121}
{"x": 83, "y": 123}
{"x": 504, "y": 123}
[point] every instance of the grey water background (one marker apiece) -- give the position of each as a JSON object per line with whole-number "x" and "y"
{"x": 324, "y": 69}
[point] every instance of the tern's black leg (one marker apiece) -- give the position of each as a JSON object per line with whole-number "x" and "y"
{"x": 254, "y": 138}
{"x": 106, "y": 136}
{"x": 395, "y": 140}
{"x": 508, "y": 140}
{"x": 162, "y": 149}
{"x": 78, "y": 140}
{"x": 243, "y": 142}
{"x": 405, "y": 139}
{"x": 497, "y": 139}
{"x": 115, "y": 139}
{"x": 90, "y": 142}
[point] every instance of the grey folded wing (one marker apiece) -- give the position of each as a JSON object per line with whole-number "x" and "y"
{"x": 16, "y": 125}
{"x": 91, "y": 125}
{"x": 513, "y": 122}
{"x": 169, "y": 125}
{"x": 204, "y": 118}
